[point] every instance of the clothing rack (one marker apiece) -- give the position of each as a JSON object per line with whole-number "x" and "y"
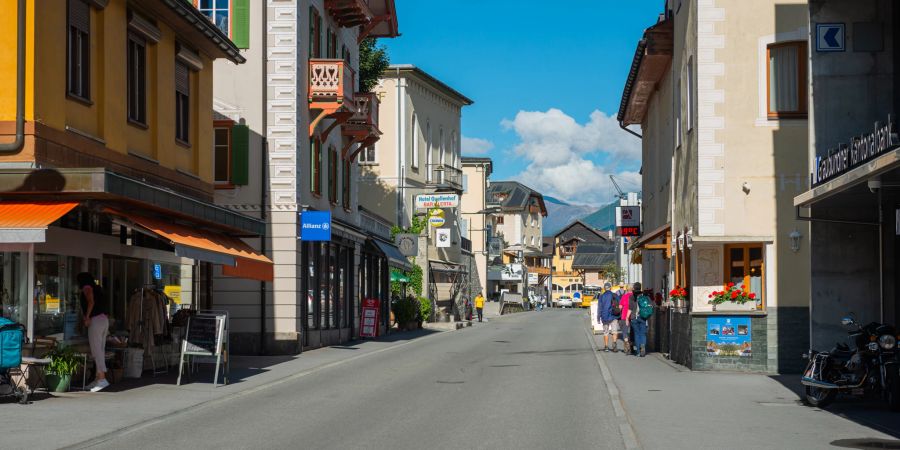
{"x": 165, "y": 368}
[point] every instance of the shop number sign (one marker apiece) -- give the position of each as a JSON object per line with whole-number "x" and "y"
{"x": 368, "y": 322}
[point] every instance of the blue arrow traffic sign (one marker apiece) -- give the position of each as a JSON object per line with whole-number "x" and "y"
{"x": 830, "y": 37}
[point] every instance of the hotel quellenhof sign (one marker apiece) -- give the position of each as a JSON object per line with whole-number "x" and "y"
{"x": 860, "y": 150}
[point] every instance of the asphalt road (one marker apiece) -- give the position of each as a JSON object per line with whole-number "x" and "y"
{"x": 530, "y": 380}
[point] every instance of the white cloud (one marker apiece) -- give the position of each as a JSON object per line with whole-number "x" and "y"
{"x": 475, "y": 146}
{"x": 559, "y": 153}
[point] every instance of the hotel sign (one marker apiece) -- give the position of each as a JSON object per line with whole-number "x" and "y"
{"x": 428, "y": 201}
{"x": 860, "y": 150}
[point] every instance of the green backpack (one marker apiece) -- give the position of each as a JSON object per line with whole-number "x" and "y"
{"x": 645, "y": 306}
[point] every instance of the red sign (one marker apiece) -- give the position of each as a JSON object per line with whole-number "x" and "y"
{"x": 629, "y": 231}
{"x": 368, "y": 322}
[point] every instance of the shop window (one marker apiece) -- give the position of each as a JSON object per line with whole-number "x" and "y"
{"x": 332, "y": 175}
{"x": 14, "y": 286}
{"x": 744, "y": 265}
{"x": 367, "y": 155}
{"x": 315, "y": 33}
{"x": 315, "y": 166}
{"x": 325, "y": 284}
{"x": 346, "y": 185}
{"x": 79, "y": 50}
{"x": 137, "y": 79}
{"x": 786, "y": 79}
{"x": 310, "y": 251}
{"x": 182, "y": 102}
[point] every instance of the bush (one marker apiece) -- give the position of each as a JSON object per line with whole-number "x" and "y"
{"x": 424, "y": 309}
{"x": 405, "y": 310}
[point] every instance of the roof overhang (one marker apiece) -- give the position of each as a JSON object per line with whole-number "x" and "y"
{"x": 645, "y": 241}
{"x": 651, "y": 60}
{"x": 193, "y": 27}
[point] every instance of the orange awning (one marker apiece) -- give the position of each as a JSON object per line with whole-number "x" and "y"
{"x": 238, "y": 258}
{"x": 27, "y": 222}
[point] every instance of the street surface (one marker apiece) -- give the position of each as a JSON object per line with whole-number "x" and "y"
{"x": 524, "y": 381}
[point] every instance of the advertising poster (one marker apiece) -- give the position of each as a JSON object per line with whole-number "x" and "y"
{"x": 728, "y": 336}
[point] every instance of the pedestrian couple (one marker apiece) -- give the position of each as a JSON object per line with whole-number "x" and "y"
{"x": 625, "y": 314}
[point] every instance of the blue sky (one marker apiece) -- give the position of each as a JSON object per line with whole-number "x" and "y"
{"x": 545, "y": 80}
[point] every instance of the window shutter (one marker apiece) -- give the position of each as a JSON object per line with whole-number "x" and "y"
{"x": 240, "y": 23}
{"x": 240, "y": 155}
{"x": 80, "y": 15}
{"x": 182, "y": 78}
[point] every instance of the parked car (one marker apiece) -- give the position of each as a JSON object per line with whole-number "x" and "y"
{"x": 564, "y": 301}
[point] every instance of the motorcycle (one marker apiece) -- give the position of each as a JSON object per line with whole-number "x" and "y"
{"x": 872, "y": 367}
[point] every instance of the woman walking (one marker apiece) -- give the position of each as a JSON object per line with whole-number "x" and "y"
{"x": 94, "y": 309}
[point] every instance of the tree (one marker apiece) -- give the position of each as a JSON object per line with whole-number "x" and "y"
{"x": 373, "y": 61}
{"x": 612, "y": 272}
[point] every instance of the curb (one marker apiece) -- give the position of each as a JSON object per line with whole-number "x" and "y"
{"x": 236, "y": 395}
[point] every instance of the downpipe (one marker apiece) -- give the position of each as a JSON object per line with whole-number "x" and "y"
{"x": 19, "y": 142}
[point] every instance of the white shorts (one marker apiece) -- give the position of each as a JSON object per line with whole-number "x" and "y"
{"x": 611, "y": 327}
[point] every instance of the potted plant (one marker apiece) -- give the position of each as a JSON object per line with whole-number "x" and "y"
{"x": 63, "y": 363}
{"x": 731, "y": 293}
{"x": 678, "y": 295}
{"x": 424, "y": 310}
{"x": 406, "y": 310}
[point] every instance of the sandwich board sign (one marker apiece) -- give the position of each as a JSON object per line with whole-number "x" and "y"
{"x": 206, "y": 337}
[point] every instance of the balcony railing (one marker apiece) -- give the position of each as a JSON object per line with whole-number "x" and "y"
{"x": 446, "y": 177}
{"x": 331, "y": 81}
{"x": 366, "y": 109}
{"x": 540, "y": 270}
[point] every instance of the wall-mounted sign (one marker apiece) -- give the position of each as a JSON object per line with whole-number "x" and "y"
{"x": 728, "y": 336}
{"x": 861, "y": 149}
{"x": 628, "y": 231}
{"x": 315, "y": 226}
{"x": 424, "y": 201}
{"x": 157, "y": 271}
{"x": 436, "y": 221}
{"x": 628, "y": 216}
{"x": 407, "y": 243}
{"x": 830, "y": 37}
{"x": 442, "y": 237}
{"x": 532, "y": 278}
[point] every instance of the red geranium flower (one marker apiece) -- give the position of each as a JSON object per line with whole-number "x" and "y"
{"x": 734, "y": 294}
{"x": 752, "y": 296}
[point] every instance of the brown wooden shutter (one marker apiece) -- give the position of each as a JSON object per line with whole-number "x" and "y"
{"x": 80, "y": 15}
{"x": 182, "y": 78}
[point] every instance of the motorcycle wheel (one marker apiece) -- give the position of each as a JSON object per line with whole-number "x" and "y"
{"x": 819, "y": 398}
{"x": 893, "y": 392}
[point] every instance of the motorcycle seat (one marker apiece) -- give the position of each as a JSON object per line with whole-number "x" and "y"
{"x": 841, "y": 353}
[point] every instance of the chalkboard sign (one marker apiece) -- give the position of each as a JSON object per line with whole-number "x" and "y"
{"x": 204, "y": 335}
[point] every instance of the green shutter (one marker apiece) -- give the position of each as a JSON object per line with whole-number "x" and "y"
{"x": 240, "y": 23}
{"x": 240, "y": 155}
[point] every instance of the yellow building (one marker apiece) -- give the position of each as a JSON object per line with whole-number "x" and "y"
{"x": 568, "y": 278}
{"x": 106, "y": 158}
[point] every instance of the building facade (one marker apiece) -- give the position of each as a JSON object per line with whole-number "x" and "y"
{"x": 295, "y": 116}
{"x": 419, "y": 154}
{"x": 852, "y": 198}
{"x": 579, "y": 255}
{"x": 106, "y": 164}
{"x": 733, "y": 173}
{"x": 476, "y": 220}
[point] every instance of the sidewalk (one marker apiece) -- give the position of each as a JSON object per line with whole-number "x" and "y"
{"x": 671, "y": 407}
{"x": 71, "y": 418}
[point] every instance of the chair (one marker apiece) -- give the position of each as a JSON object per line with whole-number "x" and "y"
{"x": 35, "y": 363}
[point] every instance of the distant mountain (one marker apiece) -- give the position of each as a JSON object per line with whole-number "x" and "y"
{"x": 560, "y": 214}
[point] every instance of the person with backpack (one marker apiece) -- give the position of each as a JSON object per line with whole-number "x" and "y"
{"x": 643, "y": 313}
{"x": 627, "y": 305}
{"x": 608, "y": 320}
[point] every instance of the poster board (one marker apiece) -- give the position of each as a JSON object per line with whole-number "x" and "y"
{"x": 729, "y": 336}
{"x": 206, "y": 336}
{"x": 368, "y": 320}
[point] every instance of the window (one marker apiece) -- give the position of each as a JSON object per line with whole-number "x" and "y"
{"x": 415, "y": 142}
{"x": 465, "y": 183}
{"x": 346, "y": 183}
{"x": 367, "y": 155}
{"x": 315, "y": 33}
{"x": 217, "y": 11}
{"x": 315, "y": 166}
{"x": 499, "y": 220}
{"x": 78, "y": 59}
{"x": 332, "y": 175}
{"x": 786, "y": 80}
{"x": 442, "y": 154}
{"x": 137, "y": 79}
{"x": 182, "y": 102}
{"x": 331, "y": 44}
{"x": 689, "y": 93}
{"x": 744, "y": 265}
{"x": 428, "y": 162}
{"x": 677, "y": 107}
{"x": 453, "y": 150}
{"x": 222, "y": 154}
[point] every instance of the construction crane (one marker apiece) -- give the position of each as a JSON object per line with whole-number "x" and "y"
{"x": 622, "y": 195}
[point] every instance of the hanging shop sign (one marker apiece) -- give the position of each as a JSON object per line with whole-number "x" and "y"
{"x": 205, "y": 336}
{"x": 442, "y": 236}
{"x": 728, "y": 336}
{"x": 425, "y": 201}
{"x": 436, "y": 221}
{"x": 841, "y": 159}
{"x": 628, "y": 216}
{"x": 407, "y": 243}
{"x": 315, "y": 226}
{"x": 368, "y": 321}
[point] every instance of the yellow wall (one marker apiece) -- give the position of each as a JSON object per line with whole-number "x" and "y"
{"x": 106, "y": 117}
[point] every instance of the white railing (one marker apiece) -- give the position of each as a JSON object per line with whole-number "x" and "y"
{"x": 331, "y": 80}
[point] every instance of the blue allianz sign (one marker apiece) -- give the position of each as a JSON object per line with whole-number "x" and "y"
{"x": 315, "y": 226}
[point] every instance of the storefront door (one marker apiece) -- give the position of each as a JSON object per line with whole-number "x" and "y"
{"x": 121, "y": 277}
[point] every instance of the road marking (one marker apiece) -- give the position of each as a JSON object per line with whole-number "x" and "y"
{"x": 218, "y": 401}
{"x": 626, "y": 429}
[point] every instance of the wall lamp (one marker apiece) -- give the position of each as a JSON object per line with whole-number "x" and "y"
{"x": 795, "y": 241}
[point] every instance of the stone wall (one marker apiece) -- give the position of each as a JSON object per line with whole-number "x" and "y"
{"x": 757, "y": 362}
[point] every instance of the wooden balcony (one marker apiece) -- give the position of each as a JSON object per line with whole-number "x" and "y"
{"x": 540, "y": 270}
{"x": 375, "y": 18}
{"x": 362, "y": 126}
{"x": 331, "y": 86}
{"x": 350, "y": 13}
